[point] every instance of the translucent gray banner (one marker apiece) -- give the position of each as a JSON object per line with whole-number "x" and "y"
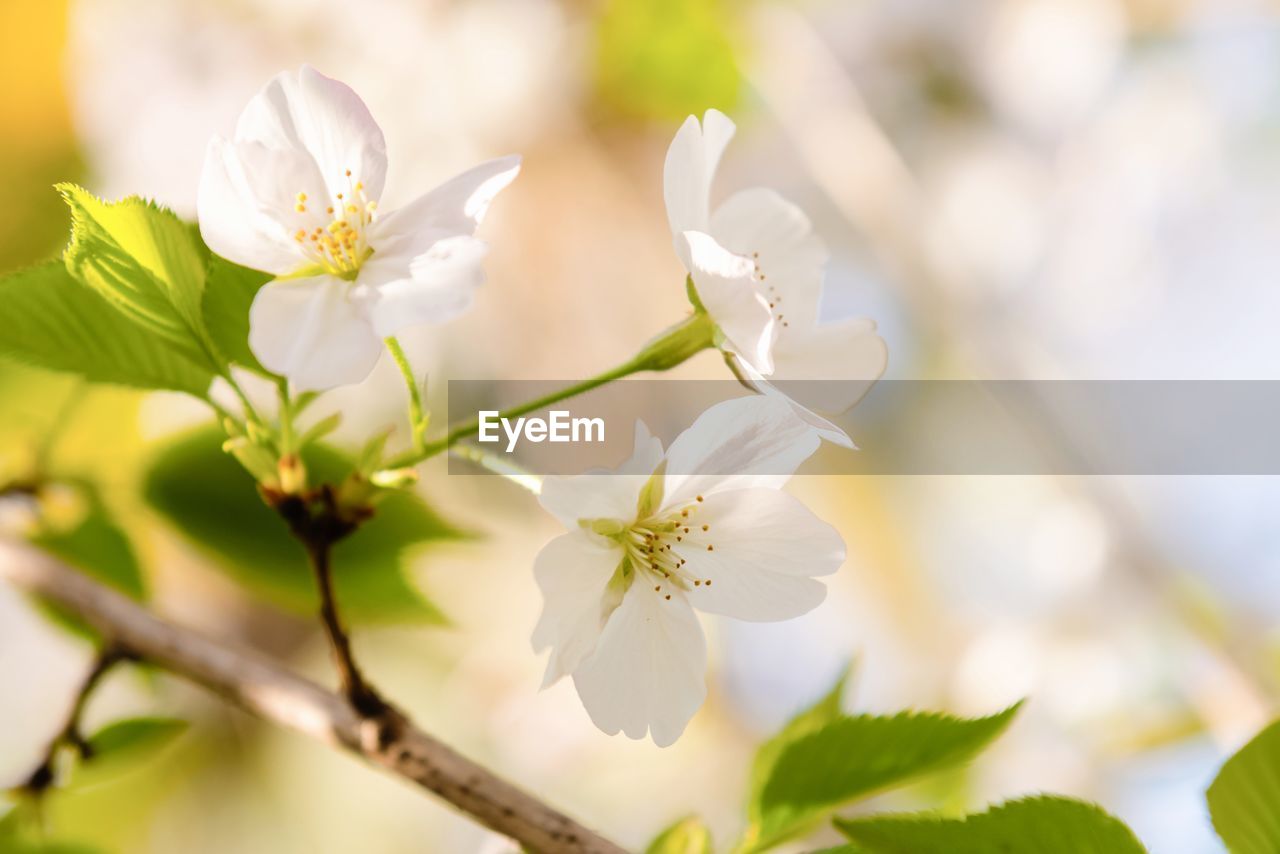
{"x": 927, "y": 427}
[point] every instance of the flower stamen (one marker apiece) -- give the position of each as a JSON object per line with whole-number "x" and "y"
{"x": 654, "y": 546}
{"x": 341, "y": 246}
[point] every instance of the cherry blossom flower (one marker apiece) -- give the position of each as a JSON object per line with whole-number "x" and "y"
{"x": 702, "y": 526}
{"x": 295, "y": 193}
{"x": 757, "y": 269}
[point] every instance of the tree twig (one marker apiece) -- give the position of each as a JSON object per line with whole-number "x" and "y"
{"x": 317, "y": 522}
{"x": 356, "y": 688}
{"x": 266, "y": 689}
{"x": 71, "y": 734}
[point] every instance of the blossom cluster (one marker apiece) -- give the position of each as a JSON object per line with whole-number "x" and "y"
{"x": 702, "y": 525}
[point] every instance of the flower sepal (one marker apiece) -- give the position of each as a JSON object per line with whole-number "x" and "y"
{"x": 690, "y": 336}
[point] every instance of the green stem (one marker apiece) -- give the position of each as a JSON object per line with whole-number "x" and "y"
{"x": 499, "y": 466}
{"x": 250, "y": 414}
{"x": 417, "y": 415}
{"x": 672, "y": 347}
{"x": 286, "y": 421}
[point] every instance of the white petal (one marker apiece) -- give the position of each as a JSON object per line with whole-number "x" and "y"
{"x": 313, "y": 331}
{"x": 573, "y": 572}
{"x": 604, "y": 495}
{"x": 433, "y": 287}
{"x": 823, "y": 427}
{"x": 309, "y": 111}
{"x": 648, "y": 671}
{"x": 747, "y": 441}
{"x": 690, "y": 167}
{"x": 725, "y": 287}
{"x": 454, "y": 208}
{"x": 246, "y": 201}
{"x": 778, "y": 236}
{"x": 832, "y": 366}
{"x": 767, "y": 546}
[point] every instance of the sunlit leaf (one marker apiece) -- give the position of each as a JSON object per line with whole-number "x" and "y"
{"x": 49, "y": 319}
{"x": 687, "y": 836}
{"x": 666, "y": 59}
{"x": 214, "y": 502}
{"x": 1044, "y": 825}
{"x": 821, "y": 713}
{"x": 146, "y": 262}
{"x": 1244, "y": 799}
{"x": 849, "y": 758}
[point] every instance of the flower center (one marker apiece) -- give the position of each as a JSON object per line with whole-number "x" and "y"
{"x": 340, "y": 247}
{"x": 655, "y": 546}
{"x": 770, "y": 291}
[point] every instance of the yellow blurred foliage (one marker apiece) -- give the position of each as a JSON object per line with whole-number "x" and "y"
{"x": 37, "y": 147}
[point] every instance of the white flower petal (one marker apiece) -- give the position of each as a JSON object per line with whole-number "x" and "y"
{"x": 454, "y": 208}
{"x": 824, "y": 428}
{"x": 573, "y": 572}
{"x": 604, "y": 495}
{"x": 777, "y": 235}
{"x": 725, "y": 287}
{"x": 246, "y": 201}
{"x": 690, "y": 167}
{"x": 648, "y": 671}
{"x": 309, "y": 111}
{"x": 433, "y": 287}
{"x": 831, "y": 367}
{"x": 767, "y": 546}
{"x": 313, "y": 331}
{"x": 744, "y": 442}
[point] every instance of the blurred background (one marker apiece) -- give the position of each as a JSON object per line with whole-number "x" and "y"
{"x": 1013, "y": 189}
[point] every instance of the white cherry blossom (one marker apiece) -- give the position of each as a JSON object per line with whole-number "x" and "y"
{"x": 702, "y": 526}
{"x": 295, "y": 193}
{"x": 757, "y": 268}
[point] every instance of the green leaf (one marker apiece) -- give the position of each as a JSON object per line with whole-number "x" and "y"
{"x": 22, "y": 821}
{"x": 853, "y": 757}
{"x": 1244, "y": 799}
{"x": 228, "y": 295}
{"x": 665, "y": 59}
{"x": 21, "y": 845}
{"x": 687, "y": 836}
{"x": 97, "y": 546}
{"x": 1044, "y": 825}
{"x": 11, "y": 822}
{"x": 51, "y": 320}
{"x": 214, "y": 502}
{"x": 132, "y": 737}
{"x": 821, "y": 713}
{"x": 123, "y": 746}
{"x": 147, "y": 263}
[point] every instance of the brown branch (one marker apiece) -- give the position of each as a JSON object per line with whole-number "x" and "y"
{"x": 266, "y": 689}
{"x": 71, "y": 735}
{"x": 318, "y": 522}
